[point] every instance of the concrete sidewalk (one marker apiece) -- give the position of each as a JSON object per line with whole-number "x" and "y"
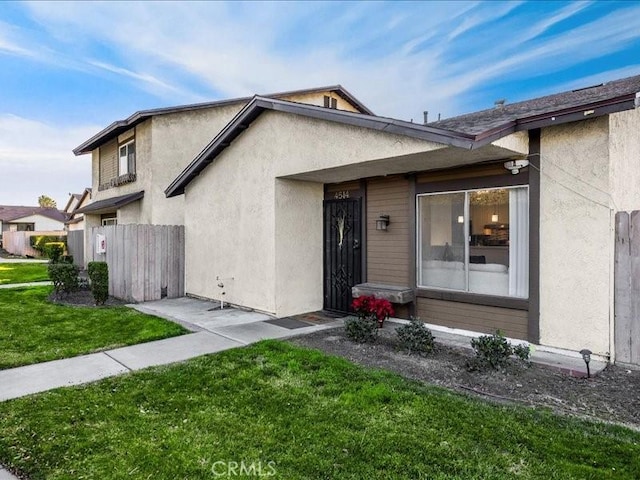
{"x": 29, "y": 284}
{"x": 22, "y": 260}
{"x": 214, "y": 330}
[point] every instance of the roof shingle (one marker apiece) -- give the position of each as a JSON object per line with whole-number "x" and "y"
{"x": 486, "y": 120}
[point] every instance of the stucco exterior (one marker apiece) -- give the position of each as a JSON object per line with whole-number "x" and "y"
{"x": 263, "y": 234}
{"x": 624, "y": 152}
{"x": 575, "y": 236}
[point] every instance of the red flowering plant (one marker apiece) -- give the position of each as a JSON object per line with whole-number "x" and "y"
{"x": 372, "y": 308}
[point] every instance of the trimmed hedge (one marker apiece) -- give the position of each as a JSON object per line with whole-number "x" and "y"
{"x": 64, "y": 277}
{"x": 99, "y": 277}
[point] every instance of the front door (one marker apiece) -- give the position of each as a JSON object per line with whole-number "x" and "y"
{"x": 342, "y": 255}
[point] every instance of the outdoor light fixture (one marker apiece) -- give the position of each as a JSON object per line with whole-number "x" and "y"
{"x": 382, "y": 222}
{"x": 494, "y": 218}
{"x": 514, "y": 166}
{"x": 460, "y": 219}
{"x": 586, "y": 356}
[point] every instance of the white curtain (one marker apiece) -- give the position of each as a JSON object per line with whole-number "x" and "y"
{"x": 519, "y": 242}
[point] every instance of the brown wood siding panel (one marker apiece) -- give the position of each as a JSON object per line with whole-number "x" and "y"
{"x": 388, "y": 252}
{"x": 108, "y": 162}
{"x": 478, "y": 318}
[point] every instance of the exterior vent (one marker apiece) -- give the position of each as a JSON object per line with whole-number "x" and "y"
{"x": 500, "y": 102}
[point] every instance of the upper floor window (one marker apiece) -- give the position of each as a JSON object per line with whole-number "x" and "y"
{"x": 475, "y": 241}
{"x": 330, "y": 102}
{"x": 127, "y": 158}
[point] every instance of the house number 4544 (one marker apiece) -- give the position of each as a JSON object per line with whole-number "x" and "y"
{"x": 341, "y": 195}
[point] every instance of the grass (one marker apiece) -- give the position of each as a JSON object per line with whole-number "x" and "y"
{"x": 23, "y": 272}
{"x": 301, "y": 415}
{"x": 33, "y": 330}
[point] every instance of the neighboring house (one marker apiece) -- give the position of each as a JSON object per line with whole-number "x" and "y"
{"x": 18, "y": 218}
{"x": 133, "y": 160}
{"x": 75, "y": 220}
{"x": 500, "y": 219}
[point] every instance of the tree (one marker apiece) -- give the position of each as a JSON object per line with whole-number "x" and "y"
{"x": 46, "y": 202}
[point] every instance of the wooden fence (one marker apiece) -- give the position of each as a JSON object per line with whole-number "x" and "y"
{"x": 19, "y": 243}
{"x": 146, "y": 262}
{"x": 627, "y": 287}
{"x": 75, "y": 246}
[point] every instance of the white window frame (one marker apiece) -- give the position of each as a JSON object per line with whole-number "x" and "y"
{"x": 125, "y": 170}
{"x": 106, "y": 222}
{"x": 466, "y": 236}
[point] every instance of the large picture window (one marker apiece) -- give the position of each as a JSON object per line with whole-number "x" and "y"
{"x": 475, "y": 241}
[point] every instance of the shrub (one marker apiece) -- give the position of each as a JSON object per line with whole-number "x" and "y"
{"x": 66, "y": 259}
{"x": 38, "y": 242}
{"x": 99, "y": 277}
{"x": 493, "y": 351}
{"x": 53, "y": 250}
{"x": 64, "y": 277}
{"x": 361, "y": 329}
{"x": 372, "y": 308}
{"x": 414, "y": 337}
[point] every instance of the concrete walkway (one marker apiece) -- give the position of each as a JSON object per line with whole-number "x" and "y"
{"x": 214, "y": 330}
{"x": 22, "y": 260}
{"x": 29, "y": 284}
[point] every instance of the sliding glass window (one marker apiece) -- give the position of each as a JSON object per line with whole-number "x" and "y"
{"x": 475, "y": 241}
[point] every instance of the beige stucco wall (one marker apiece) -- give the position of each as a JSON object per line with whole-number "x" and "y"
{"x": 624, "y": 150}
{"x": 245, "y": 223}
{"x": 177, "y": 139}
{"x": 575, "y": 236}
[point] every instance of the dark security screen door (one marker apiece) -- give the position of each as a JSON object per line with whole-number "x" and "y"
{"x": 342, "y": 256}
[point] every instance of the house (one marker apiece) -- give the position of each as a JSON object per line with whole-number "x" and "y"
{"x": 499, "y": 219}
{"x": 75, "y": 220}
{"x": 20, "y": 219}
{"x": 134, "y": 159}
{"x": 28, "y": 219}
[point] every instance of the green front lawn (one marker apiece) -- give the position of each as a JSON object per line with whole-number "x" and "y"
{"x": 23, "y": 272}
{"x": 33, "y": 330}
{"x": 301, "y": 415}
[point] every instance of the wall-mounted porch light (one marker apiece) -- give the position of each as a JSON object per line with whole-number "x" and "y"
{"x": 460, "y": 219}
{"x": 586, "y": 356}
{"x": 494, "y": 218}
{"x": 382, "y": 222}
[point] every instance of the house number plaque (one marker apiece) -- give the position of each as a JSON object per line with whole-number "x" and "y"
{"x": 341, "y": 195}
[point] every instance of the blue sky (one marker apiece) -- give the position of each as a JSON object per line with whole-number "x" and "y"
{"x": 69, "y": 69}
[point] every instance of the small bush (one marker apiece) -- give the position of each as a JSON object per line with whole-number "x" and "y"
{"x": 493, "y": 351}
{"x": 523, "y": 352}
{"x": 99, "y": 277}
{"x": 66, "y": 259}
{"x": 414, "y": 337}
{"x": 54, "y": 251}
{"x": 361, "y": 330}
{"x": 64, "y": 277}
{"x": 38, "y": 242}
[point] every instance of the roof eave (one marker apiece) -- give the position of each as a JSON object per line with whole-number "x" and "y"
{"x": 258, "y": 104}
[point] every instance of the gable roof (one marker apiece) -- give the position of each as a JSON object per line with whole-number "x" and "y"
{"x": 259, "y": 104}
{"x": 615, "y": 94}
{"x": 72, "y": 196}
{"x": 469, "y": 131}
{"x": 121, "y": 126}
{"x": 9, "y": 213}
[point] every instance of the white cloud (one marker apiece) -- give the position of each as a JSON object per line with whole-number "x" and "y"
{"x": 239, "y": 49}
{"x": 39, "y": 160}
